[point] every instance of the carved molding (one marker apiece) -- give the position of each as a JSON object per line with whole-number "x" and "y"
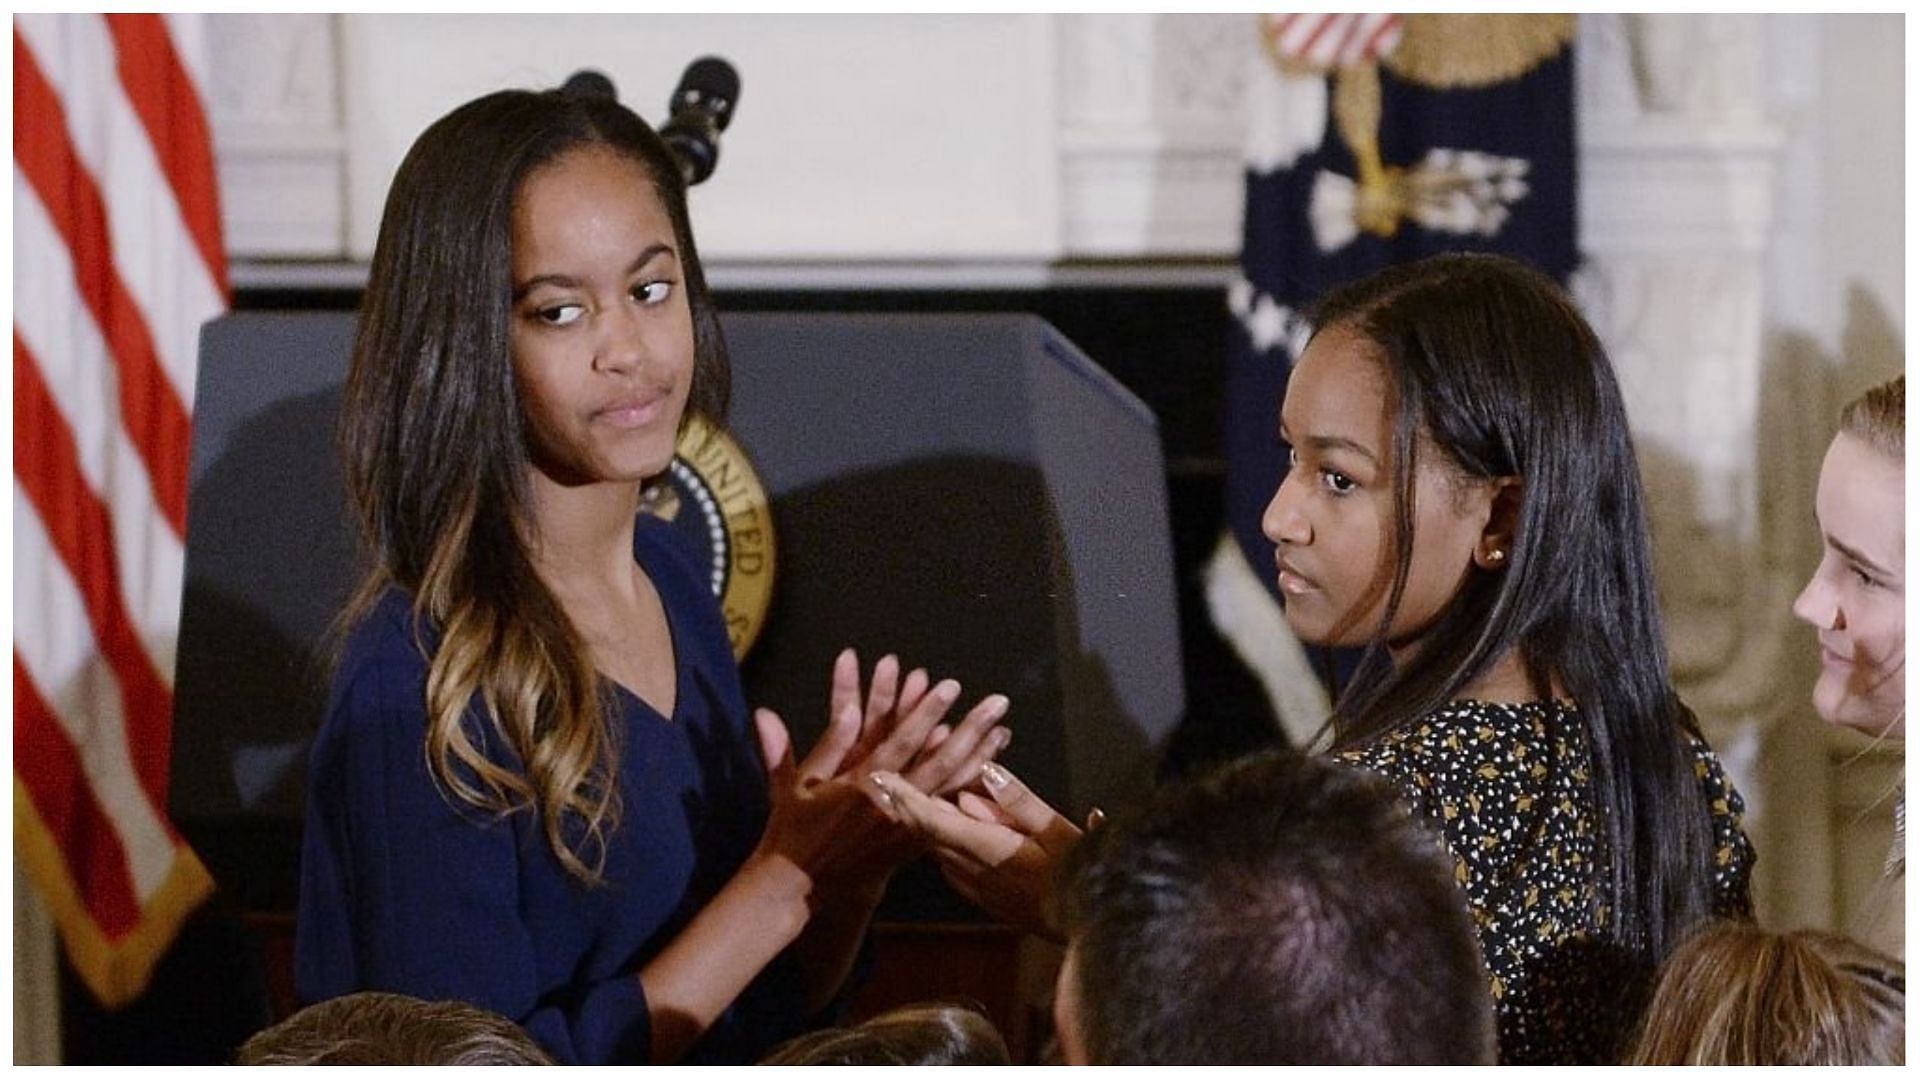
{"x": 275, "y": 70}
{"x": 1122, "y": 202}
{"x": 1670, "y": 185}
{"x": 282, "y": 191}
{"x": 1152, "y": 114}
{"x": 1697, "y": 65}
{"x": 1679, "y": 169}
{"x": 1684, "y": 333}
{"x": 1151, "y": 127}
{"x": 275, "y": 100}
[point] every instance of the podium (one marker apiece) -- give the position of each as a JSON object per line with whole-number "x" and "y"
{"x": 968, "y": 491}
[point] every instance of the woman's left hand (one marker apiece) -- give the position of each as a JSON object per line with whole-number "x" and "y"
{"x": 1002, "y": 855}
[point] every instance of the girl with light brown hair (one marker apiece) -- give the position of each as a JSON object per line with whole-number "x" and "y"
{"x": 1738, "y": 995}
{"x": 1856, "y": 600}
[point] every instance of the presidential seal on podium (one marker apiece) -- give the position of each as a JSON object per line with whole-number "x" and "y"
{"x": 716, "y": 503}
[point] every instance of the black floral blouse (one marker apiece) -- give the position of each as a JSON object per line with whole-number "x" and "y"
{"x": 1509, "y": 789}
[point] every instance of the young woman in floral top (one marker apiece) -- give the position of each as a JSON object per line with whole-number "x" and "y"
{"x": 1464, "y": 502}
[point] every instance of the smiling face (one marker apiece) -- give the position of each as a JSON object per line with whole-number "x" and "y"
{"x": 1857, "y": 596}
{"x": 1333, "y": 517}
{"x": 601, "y": 329}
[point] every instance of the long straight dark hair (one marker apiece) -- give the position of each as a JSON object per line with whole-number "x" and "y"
{"x": 1492, "y": 361}
{"x": 436, "y": 461}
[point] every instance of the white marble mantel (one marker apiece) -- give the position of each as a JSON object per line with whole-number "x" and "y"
{"x": 996, "y": 139}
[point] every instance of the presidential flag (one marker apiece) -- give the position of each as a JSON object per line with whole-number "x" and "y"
{"x": 1372, "y": 139}
{"x": 117, "y": 261}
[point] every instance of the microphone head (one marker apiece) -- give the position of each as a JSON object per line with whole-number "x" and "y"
{"x": 588, "y": 83}
{"x": 710, "y": 85}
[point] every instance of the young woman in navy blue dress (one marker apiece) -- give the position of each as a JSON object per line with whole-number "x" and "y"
{"x": 537, "y": 787}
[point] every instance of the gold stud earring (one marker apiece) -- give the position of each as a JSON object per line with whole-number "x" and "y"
{"x": 1496, "y": 555}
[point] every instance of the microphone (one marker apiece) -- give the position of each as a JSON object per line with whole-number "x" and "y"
{"x": 588, "y": 83}
{"x": 700, "y": 109}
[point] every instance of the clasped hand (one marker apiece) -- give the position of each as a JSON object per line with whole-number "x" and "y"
{"x": 1003, "y": 853}
{"x": 827, "y": 817}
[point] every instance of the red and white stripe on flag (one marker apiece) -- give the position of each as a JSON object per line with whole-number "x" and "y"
{"x": 1332, "y": 41}
{"x": 117, "y": 261}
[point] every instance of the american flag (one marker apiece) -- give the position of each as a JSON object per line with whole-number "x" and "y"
{"x": 1331, "y": 41}
{"x": 117, "y": 261}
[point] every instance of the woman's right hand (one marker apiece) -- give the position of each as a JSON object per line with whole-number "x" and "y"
{"x": 1002, "y": 855}
{"x": 901, "y": 730}
{"x": 820, "y": 826}
{"x": 819, "y": 823}
{"x": 815, "y": 824}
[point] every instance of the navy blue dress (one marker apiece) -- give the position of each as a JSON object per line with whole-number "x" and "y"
{"x": 402, "y": 891}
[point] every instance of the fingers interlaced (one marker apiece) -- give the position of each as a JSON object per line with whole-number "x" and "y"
{"x": 879, "y": 706}
{"x": 913, "y": 688}
{"x": 906, "y": 739}
{"x": 957, "y": 759}
{"x": 882, "y": 694}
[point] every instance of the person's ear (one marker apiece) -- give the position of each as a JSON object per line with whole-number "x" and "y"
{"x": 1495, "y": 548}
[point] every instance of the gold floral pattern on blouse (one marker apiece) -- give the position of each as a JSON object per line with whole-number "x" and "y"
{"x": 1509, "y": 789}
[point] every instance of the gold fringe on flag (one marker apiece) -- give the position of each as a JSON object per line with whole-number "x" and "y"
{"x": 1449, "y": 52}
{"x": 117, "y": 972}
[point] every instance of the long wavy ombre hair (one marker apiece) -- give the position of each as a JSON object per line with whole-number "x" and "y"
{"x": 434, "y": 443}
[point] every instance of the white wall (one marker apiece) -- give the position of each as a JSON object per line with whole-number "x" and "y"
{"x": 1862, "y": 138}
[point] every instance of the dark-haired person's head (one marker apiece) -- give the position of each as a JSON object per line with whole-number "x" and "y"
{"x": 433, "y": 375}
{"x": 1281, "y": 909}
{"x": 376, "y": 1028}
{"x": 531, "y": 241}
{"x": 1510, "y": 525}
{"x": 931, "y": 1034}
